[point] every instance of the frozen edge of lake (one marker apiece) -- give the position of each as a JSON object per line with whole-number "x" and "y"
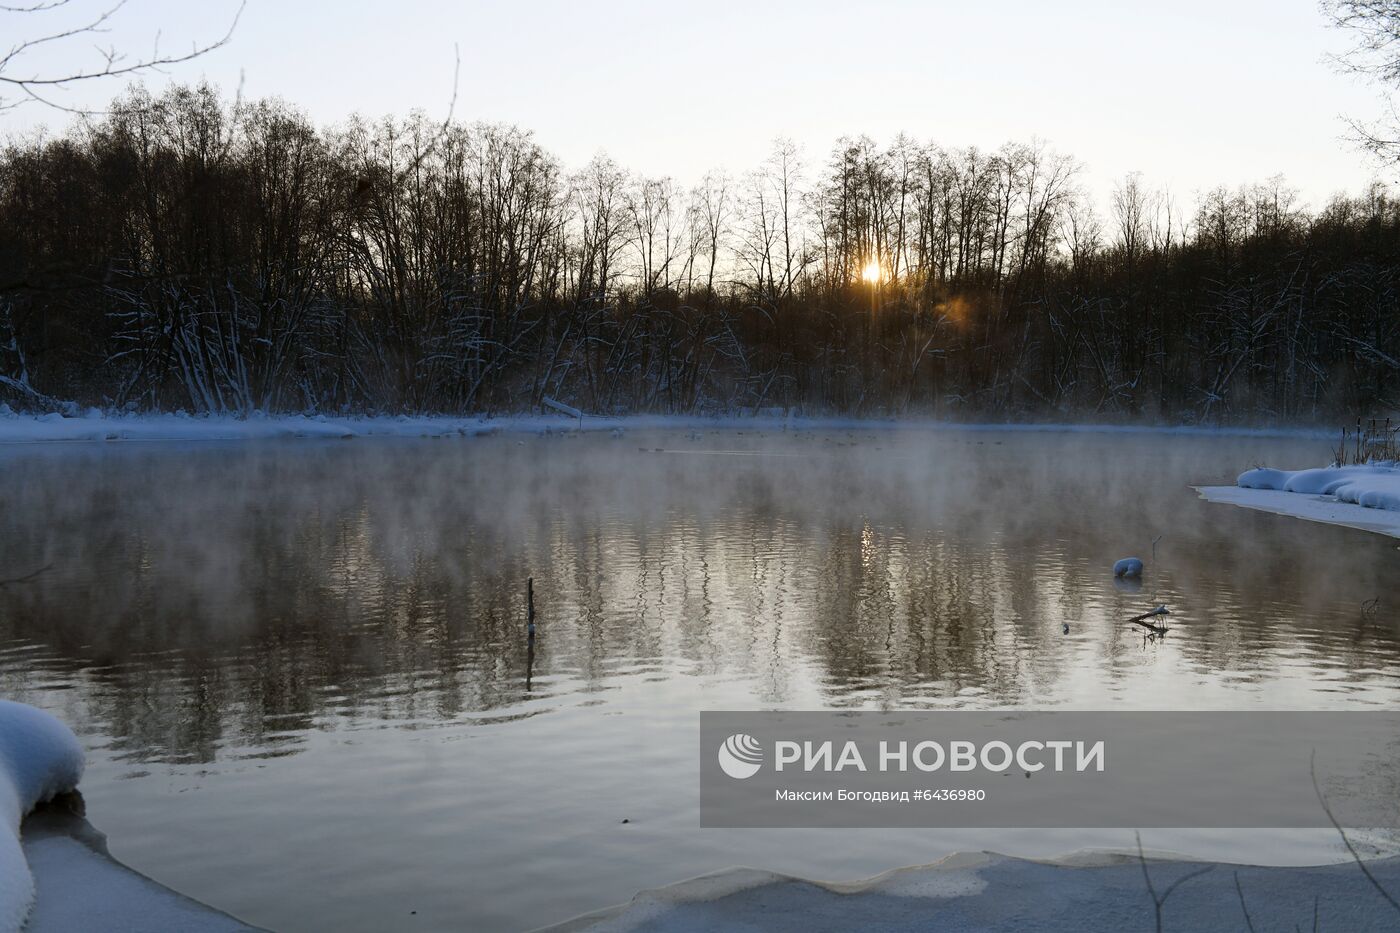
{"x": 984, "y": 891}
{"x": 97, "y": 426}
{"x": 1326, "y": 509}
{"x": 79, "y": 886}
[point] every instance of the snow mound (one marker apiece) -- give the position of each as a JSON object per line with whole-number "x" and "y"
{"x": 39, "y": 759}
{"x": 1374, "y": 486}
{"x": 1128, "y": 567}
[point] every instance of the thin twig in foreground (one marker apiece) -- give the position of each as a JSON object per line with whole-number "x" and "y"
{"x": 1360, "y": 862}
{"x": 27, "y": 577}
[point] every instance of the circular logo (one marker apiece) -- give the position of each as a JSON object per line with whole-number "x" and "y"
{"x": 741, "y": 756}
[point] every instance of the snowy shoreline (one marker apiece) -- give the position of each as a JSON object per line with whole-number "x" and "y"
{"x": 55, "y": 871}
{"x": 98, "y": 426}
{"x": 1363, "y": 497}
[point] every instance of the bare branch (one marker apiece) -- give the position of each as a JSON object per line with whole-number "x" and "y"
{"x": 34, "y": 86}
{"x": 27, "y": 577}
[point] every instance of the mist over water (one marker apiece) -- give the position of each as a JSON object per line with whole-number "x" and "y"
{"x": 323, "y": 643}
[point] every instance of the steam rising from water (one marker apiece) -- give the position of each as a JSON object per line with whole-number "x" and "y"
{"x": 231, "y": 618}
{"x": 902, "y": 567}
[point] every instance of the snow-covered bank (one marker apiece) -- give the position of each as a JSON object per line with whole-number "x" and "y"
{"x": 990, "y": 893}
{"x": 40, "y": 758}
{"x": 1365, "y": 497}
{"x": 1375, "y": 486}
{"x": 97, "y": 426}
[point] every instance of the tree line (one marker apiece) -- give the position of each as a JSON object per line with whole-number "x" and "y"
{"x": 185, "y": 251}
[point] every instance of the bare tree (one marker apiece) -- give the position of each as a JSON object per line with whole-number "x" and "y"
{"x": 1375, "y": 55}
{"x": 185, "y": 252}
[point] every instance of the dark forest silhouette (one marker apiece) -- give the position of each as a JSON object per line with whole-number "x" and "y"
{"x": 187, "y": 252}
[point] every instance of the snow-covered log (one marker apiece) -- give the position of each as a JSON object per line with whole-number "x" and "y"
{"x": 562, "y": 408}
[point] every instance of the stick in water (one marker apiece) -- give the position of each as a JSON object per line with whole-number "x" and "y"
{"x": 1142, "y": 619}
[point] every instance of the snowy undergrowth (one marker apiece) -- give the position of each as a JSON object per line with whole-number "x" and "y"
{"x": 39, "y": 759}
{"x": 1374, "y": 485}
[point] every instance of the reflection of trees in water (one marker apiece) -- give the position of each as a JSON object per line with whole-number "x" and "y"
{"x": 227, "y": 600}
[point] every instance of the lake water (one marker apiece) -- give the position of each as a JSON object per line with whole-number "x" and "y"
{"x": 301, "y": 671}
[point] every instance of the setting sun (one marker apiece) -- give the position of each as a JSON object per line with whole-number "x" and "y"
{"x": 871, "y": 273}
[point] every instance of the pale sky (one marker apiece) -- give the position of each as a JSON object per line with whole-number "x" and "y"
{"x": 1190, "y": 93}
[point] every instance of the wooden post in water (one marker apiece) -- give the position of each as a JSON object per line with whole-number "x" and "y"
{"x": 530, "y": 608}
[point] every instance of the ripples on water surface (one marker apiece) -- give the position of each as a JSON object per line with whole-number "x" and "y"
{"x": 301, "y": 671}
